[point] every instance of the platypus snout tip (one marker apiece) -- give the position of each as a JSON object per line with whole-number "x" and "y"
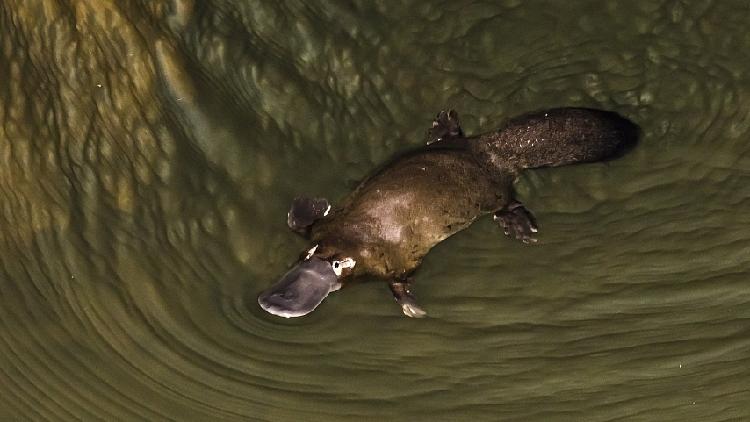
{"x": 274, "y": 307}
{"x": 300, "y": 290}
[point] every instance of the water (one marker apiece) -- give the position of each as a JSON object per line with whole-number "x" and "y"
{"x": 150, "y": 152}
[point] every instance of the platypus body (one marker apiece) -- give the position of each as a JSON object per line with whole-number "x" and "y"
{"x": 393, "y": 218}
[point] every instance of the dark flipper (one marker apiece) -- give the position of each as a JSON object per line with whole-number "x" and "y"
{"x": 517, "y": 221}
{"x": 305, "y": 211}
{"x": 404, "y": 298}
{"x": 445, "y": 126}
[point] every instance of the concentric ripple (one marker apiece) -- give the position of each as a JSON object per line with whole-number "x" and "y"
{"x": 149, "y": 151}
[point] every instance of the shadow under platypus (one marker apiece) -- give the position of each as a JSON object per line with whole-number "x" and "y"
{"x": 394, "y": 217}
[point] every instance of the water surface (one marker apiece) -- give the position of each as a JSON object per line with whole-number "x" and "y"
{"x": 150, "y": 151}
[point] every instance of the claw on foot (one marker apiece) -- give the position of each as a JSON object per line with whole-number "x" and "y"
{"x": 518, "y": 222}
{"x": 413, "y": 311}
{"x": 445, "y": 126}
{"x": 403, "y": 296}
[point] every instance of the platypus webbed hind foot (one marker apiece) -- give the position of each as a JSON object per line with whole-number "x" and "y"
{"x": 304, "y": 211}
{"x": 445, "y": 126}
{"x": 403, "y": 296}
{"x": 517, "y": 221}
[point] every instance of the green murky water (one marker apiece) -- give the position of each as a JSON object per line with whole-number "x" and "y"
{"x": 150, "y": 150}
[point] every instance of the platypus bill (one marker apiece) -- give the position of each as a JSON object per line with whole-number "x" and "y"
{"x": 394, "y": 217}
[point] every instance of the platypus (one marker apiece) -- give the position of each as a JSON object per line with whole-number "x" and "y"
{"x": 394, "y": 217}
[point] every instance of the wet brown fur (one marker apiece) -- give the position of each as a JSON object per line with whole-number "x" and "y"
{"x": 390, "y": 222}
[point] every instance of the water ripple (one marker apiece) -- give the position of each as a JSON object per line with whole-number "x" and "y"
{"x": 150, "y": 150}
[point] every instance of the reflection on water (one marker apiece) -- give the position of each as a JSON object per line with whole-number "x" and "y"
{"x": 150, "y": 151}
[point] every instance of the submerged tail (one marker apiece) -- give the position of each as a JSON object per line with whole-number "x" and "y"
{"x": 557, "y": 137}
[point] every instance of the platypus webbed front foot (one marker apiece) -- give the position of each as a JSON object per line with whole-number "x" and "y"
{"x": 445, "y": 126}
{"x": 404, "y": 298}
{"x": 304, "y": 211}
{"x": 517, "y": 221}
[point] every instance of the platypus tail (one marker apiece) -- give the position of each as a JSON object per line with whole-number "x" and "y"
{"x": 558, "y": 137}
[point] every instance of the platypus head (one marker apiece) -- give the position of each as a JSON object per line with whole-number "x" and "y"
{"x": 318, "y": 273}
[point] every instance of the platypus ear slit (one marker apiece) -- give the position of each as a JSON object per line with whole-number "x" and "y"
{"x": 445, "y": 126}
{"x": 305, "y": 211}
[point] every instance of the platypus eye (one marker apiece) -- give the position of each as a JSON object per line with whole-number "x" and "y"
{"x": 338, "y": 266}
